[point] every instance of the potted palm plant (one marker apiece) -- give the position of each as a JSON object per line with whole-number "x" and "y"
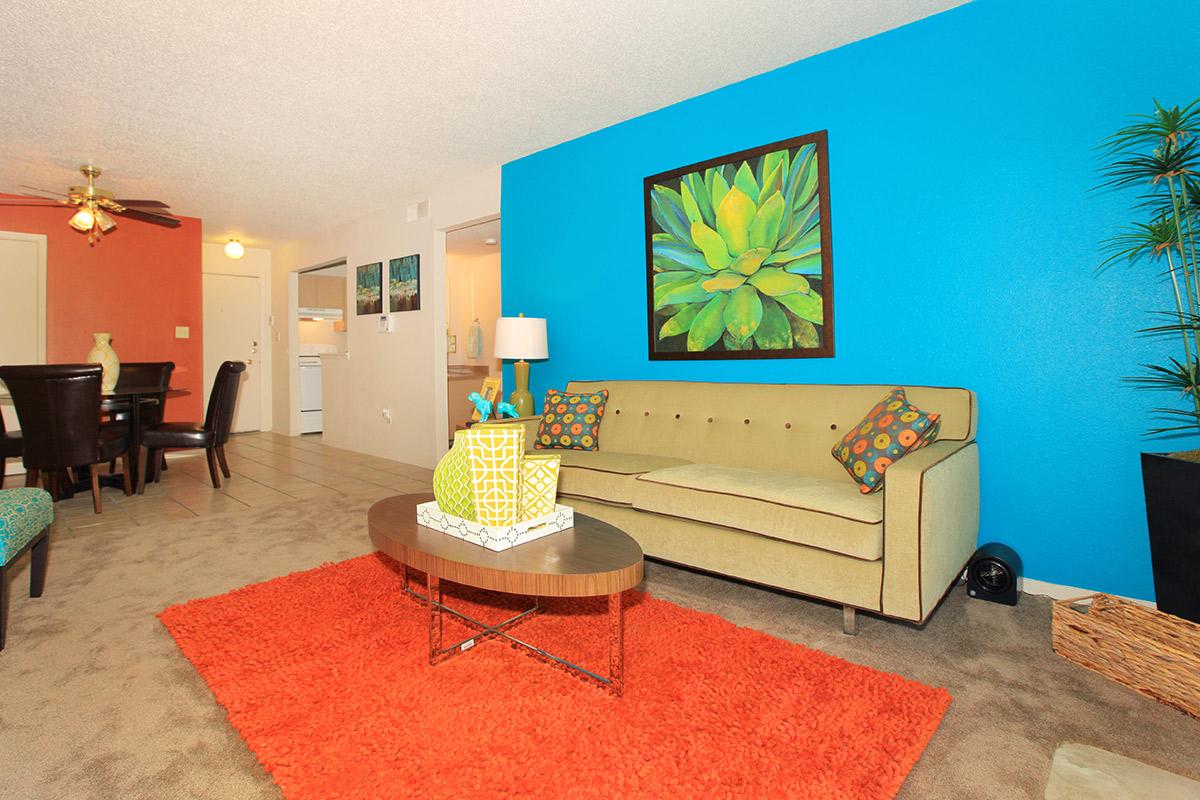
{"x": 1160, "y": 154}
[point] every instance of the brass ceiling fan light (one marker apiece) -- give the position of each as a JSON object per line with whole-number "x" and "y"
{"x": 95, "y": 206}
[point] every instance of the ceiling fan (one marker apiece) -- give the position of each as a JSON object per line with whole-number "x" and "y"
{"x": 95, "y": 205}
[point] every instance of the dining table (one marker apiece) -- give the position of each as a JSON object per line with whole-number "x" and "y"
{"x": 132, "y": 399}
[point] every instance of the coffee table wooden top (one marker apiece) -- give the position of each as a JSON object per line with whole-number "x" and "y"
{"x": 592, "y": 558}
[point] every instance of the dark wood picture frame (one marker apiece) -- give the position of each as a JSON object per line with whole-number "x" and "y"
{"x": 655, "y": 210}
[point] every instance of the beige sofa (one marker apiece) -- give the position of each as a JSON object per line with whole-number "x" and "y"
{"x": 738, "y": 479}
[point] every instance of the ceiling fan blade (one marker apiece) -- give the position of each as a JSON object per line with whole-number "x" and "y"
{"x": 141, "y": 203}
{"x": 39, "y": 189}
{"x": 32, "y": 200}
{"x": 146, "y": 216}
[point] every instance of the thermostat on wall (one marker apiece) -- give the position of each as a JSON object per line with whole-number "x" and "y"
{"x": 183, "y": 332}
{"x": 385, "y": 323}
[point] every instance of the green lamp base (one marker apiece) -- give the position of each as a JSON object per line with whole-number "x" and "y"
{"x": 521, "y": 398}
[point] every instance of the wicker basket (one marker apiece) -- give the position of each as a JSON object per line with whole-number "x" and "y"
{"x": 1151, "y": 652}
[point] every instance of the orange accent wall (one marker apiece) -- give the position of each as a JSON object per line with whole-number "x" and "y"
{"x": 137, "y": 283}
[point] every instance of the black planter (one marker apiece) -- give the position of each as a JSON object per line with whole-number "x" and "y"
{"x": 1173, "y": 512}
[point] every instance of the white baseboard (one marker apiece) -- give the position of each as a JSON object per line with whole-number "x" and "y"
{"x": 1057, "y": 591}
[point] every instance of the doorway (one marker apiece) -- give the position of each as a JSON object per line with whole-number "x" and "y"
{"x": 321, "y": 329}
{"x": 472, "y": 307}
{"x": 22, "y": 313}
{"x": 232, "y": 332}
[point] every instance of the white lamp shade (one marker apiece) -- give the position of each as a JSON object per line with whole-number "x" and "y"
{"x": 521, "y": 337}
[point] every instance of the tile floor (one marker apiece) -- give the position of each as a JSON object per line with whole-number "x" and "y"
{"x": 267, "y": 469}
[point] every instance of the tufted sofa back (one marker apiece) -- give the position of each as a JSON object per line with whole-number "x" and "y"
{"x": 777, "y": 427}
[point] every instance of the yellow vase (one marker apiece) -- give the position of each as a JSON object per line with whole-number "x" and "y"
{"x": 103, "y": 354}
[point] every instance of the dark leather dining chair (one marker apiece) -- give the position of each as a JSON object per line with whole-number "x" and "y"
{"x": 138, "y": 374}
{"x": 147, "y": 373}
{"x": 58, "y": 406}
{"x": 10, "y": 447}
{"x": 212, "y": 435}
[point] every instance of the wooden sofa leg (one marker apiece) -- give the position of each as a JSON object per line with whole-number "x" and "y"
{"x": 37, "y": 566}
{"x": 212, "y": 467}
{"x": 221, "y": 460}
{"x": 32, "y": 477}
{"x": 849, "y": 620}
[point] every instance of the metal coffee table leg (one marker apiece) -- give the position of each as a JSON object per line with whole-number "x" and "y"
{"x": 433, "y": 591}
{"x": 615, "y": 682}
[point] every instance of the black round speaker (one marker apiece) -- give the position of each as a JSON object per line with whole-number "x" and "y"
{"x": 993, "y": 572}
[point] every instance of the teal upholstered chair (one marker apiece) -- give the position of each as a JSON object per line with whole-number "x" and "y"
{"x": 25, "y": 517}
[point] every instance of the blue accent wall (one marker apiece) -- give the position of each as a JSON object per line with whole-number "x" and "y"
{"x": 961, "y": 155}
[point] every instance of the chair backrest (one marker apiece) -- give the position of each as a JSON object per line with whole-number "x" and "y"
{"x": 58, "y": 406}
{"x": 148, "y": 373}
{"x": 223, "y": 400}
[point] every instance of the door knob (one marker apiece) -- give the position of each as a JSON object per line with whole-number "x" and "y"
{"x": 249, "y": 361}
{"x": 254, "y": 344}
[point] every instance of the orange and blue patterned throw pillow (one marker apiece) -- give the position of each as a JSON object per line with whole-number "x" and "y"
{"x": 571, "y": 421}
{"x": 891, "y": 430}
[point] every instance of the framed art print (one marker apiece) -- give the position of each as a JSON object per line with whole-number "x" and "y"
{"x": 738, "y": 261}
{"x": 404, "y": 283}
{"x": 368, "y": 289}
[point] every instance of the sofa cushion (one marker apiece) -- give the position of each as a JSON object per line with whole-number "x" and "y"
{"x": 601, "y": 475}
{"x": 819, "y": 512}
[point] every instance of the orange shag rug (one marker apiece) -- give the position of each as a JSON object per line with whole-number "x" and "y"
{"x": 325, "y": 675}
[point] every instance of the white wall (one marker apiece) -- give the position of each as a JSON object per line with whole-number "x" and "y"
{"x": 404, "y": 371}
{"x": 255, "y": 263}
{"x": 474, "y": 293}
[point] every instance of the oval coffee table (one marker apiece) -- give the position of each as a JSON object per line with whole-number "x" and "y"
{"x": 593, "y": 558}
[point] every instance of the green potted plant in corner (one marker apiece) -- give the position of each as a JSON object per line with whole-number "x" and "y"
{"x": 1160, "y": 153}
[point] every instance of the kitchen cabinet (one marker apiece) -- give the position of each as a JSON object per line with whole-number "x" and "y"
{"x": 309, "y": 291}
{"x": 331, "y": 291}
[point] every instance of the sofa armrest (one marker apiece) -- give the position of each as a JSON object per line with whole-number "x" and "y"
{"x": 930, "y": 526}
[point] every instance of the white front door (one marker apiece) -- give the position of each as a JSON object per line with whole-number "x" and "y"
{"x": 22, "y": 312}
{"x": 232, "y": 326}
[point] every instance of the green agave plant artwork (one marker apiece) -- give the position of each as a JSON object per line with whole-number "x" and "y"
{"x": 738, "y": 255}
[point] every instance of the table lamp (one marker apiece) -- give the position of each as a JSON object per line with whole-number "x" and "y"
{"x": 521, "y": 337}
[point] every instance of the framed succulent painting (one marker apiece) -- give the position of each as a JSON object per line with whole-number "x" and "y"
{"x": 738, "y": 255}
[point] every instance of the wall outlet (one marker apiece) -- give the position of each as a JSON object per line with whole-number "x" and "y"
{"x": 387, "y": 415}
{"x": 385, "y": 323}
{"x": 183, "y": 332}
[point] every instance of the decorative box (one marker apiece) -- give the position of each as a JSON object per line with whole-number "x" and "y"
{"x": 495, "y": 537}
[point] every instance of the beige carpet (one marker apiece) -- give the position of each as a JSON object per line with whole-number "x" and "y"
{"x": 96, "y": 702}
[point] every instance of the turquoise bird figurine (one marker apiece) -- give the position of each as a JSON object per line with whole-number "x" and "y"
{"x": 482, "y": 405}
